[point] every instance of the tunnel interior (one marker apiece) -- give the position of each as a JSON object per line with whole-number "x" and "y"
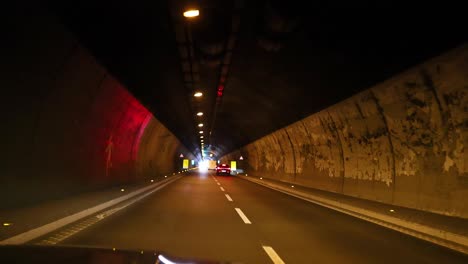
{"x": 346, "y": 98}
{"x": 261, "y": 65}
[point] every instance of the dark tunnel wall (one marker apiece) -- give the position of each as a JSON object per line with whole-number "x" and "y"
{"x": 67, "y": 125}
{"x": 401, "y": 142}
{"x": 160, "y": 150}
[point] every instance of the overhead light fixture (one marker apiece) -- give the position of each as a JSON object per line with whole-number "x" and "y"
{"x": 200, "y": 125}
{"x": 201, "y": 140}
{"x": 201, "y": 136}
{"x": 198, "y": 94}
{"x": 201, "y": 132}
{"x": 199, "y": 113}
{"x": 192, "y": 13}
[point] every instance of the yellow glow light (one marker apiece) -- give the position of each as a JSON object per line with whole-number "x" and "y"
{"x": 122, "y": 190}
{"x": 199, "y": 113}
{"x": 198, "y": 94}
{"x": 200, "y": 125}
{"x": 192, "y": 13}
{"x": 6, "y": 224}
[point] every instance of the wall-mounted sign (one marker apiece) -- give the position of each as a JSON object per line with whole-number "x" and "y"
{"x": 233, "y": 165}
{"x": 185, "y": 164}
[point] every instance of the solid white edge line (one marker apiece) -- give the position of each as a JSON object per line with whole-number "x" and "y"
{"x": 228, "y": 197}
{"x": 47, "y": 228}
{"x": 222, "y": 189}
{"x": 440, "y": 237}
{"x": 273, "y": 255}
{"x": 243, "y": 216}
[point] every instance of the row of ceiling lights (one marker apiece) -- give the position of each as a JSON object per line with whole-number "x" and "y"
{"x": 200, "y": 125}
{"x": 190, "y": 14}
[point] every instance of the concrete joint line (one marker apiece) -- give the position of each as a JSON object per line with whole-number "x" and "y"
{"x": 437, "y": 236}
{"x": 47, "y": 228}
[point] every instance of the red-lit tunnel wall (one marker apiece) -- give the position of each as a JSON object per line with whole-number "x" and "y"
{"x": 67, "y": 125}
{"x": 400, "y": 142}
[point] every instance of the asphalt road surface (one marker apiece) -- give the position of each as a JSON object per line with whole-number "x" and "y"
{"x": 230, "y": 219}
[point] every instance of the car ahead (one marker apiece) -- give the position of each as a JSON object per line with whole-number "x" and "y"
{"x": 223, "y": 169}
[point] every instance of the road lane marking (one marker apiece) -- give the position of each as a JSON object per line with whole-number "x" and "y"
{"x": 242, "y": 215}
{"x": 87, "y": 223}
{"x": 219, "y": 183}
{"x": 273, "y": 255}
{"x": 50, "y": 227}
{"x": 222, "y": 189}
{"x": 228, "y": 197}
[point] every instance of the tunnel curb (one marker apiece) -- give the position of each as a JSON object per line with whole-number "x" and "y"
{"x": 440, "y": 237}
{"x": 52, "y": 226}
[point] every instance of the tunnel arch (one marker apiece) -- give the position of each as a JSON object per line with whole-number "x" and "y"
{"x": 68, "y": 125}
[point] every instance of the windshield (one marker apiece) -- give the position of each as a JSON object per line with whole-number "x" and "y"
{"x": 235, "y": 131}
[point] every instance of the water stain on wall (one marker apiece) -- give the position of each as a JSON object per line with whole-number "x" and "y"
{"x": 406, "y": 136}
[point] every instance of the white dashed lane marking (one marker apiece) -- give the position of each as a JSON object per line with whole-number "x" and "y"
{"x": 222, "y": 189}
{"x": 243, "y": 216}
{"x": 273, "y": 255}
{"x": 228, "y": 197}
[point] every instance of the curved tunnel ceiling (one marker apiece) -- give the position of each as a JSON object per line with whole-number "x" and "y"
{"x": 261, "y": 65}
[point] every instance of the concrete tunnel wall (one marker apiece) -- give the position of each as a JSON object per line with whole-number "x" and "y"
{"x": 67, "y": 125}
{"x": 401, "y": 142}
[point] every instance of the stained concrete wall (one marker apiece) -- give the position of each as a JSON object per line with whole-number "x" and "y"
{"x": 400, "y": 142}
{"x": 67, "y": 125}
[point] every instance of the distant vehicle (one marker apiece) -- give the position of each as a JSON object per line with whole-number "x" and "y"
{"x": 223, "y": 169}
{"x": 212, "y": 164}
